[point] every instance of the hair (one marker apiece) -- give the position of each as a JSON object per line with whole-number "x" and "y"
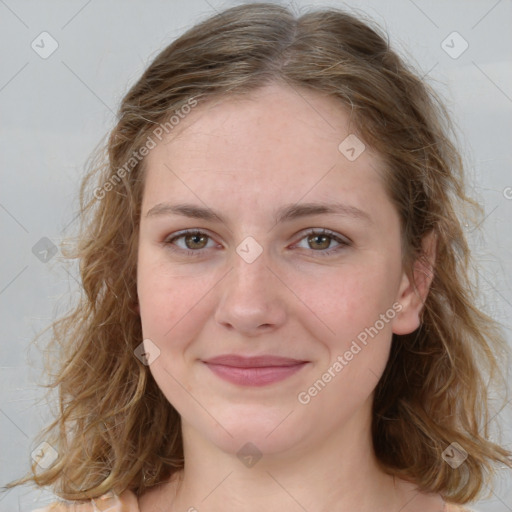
{"x": 115, "y": 429}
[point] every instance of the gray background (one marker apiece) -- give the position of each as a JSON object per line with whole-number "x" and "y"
{"x": 54, "y": 110}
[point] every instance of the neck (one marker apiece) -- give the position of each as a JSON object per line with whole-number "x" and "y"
{"x": 339, "y": 473}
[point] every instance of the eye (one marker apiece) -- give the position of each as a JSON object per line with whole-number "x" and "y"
{"x": 318, "y": 240}
{"x": 193, "y": 241}
{"x": 322, "y": 239}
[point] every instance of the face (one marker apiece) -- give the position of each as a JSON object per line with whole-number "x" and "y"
{"x": 264, "y": 275}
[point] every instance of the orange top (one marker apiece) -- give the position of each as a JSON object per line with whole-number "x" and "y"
{"x": 127, "y": 502}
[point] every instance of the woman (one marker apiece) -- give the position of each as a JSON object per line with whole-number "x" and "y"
{"x": 278, "y": 314}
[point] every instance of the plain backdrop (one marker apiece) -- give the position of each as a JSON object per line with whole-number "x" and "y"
{"x": 58, "y": 100}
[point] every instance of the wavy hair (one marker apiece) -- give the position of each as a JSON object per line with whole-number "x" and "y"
{"x": 114, "y": 429}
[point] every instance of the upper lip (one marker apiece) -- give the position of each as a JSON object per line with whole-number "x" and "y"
{"x": 253, "y": 362}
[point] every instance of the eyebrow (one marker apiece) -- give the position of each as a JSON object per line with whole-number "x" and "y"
{"x": 285, "y": 213}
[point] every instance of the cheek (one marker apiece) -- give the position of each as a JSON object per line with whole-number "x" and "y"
{"x": 358, "y": 308}
{"x": 351, "y": 299}
{"x": 172, "y": 318}
{"x": 168, "y": 302}
{"x": 174, "y": 305}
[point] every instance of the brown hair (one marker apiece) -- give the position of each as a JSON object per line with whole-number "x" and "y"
{"x": 433, "y": 391}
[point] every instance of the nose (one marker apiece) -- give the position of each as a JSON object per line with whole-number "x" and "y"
{"x": 252, "y": 299}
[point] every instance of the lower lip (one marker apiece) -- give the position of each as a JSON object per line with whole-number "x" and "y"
{"x": 254, "y": 376}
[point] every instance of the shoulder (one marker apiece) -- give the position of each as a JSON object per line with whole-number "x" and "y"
{"x": 126, "y": 502}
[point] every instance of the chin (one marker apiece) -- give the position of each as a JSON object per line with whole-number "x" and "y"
{"x": 256, "y": 425}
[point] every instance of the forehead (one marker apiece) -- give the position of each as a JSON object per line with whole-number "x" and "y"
{"x": 272, "y": 119}
{"x": 277, "y": 143}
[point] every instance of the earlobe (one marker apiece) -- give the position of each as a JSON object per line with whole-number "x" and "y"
{"x": 413, "y": 292}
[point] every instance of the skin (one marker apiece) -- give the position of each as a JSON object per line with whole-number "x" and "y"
{"x": 245, "y": 158}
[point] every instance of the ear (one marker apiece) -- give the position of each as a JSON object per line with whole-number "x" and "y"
{"x": 413, "y": 294}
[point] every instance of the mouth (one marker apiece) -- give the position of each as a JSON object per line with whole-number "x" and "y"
{"x": 254, "y": 371}
{"x": 266, "y": 361}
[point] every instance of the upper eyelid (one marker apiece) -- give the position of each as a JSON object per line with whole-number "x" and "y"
{"x": 191, "y": 231}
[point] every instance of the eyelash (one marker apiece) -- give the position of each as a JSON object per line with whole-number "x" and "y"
{"x": 316, "y": 232}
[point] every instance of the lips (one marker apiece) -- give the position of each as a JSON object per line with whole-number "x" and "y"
{"x": 254, "y": 371}
{"x": 253, "y": 362}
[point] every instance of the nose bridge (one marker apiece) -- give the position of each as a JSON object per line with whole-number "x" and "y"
{"x": 247, "y": 272}
{"x": 249, "y": 279}
{"x": 250, "y": 261}
{"x": 250, "y": 296}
